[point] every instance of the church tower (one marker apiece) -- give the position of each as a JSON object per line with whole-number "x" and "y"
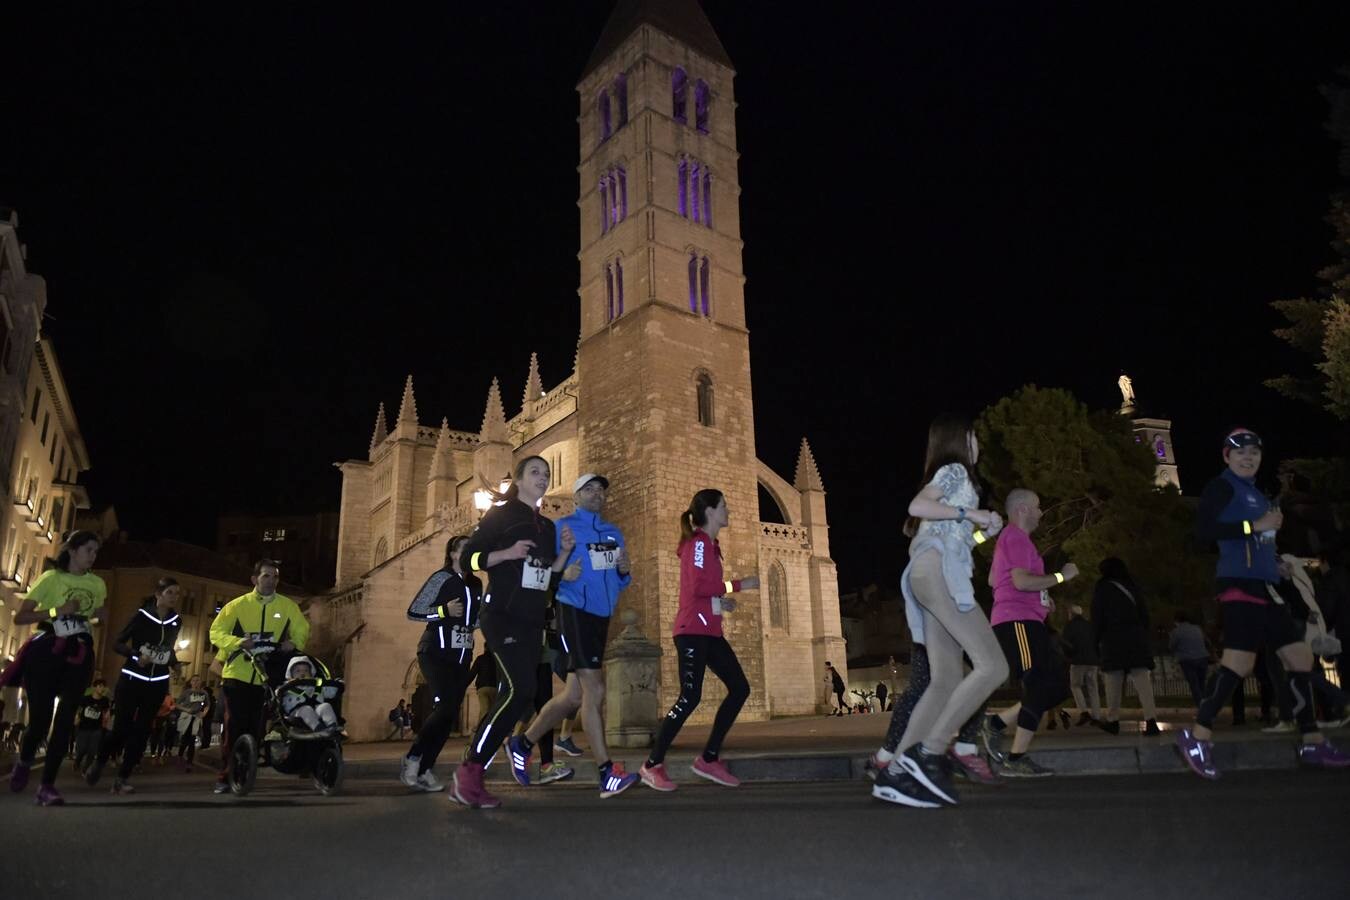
{"x": 664, "y": 363}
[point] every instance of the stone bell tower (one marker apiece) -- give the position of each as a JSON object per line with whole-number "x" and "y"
{"x": 664, "y": 363}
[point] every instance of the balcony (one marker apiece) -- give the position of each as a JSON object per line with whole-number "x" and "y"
{"x": 36, "y": 523}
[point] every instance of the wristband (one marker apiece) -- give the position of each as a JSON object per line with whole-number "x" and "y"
{"x": 979, "y": 536}
{"x": 1246, "y": 527}
{"x": 730, "y": 586}
{"x": 440, "y": 611}
{"x": 1059, "y": 578}
{"x": 52, "y": 612}
{"x": 960, "y": 514}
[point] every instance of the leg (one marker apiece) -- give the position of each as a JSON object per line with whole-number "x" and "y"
{"x": 908, "y": 699}
{"x": 1115, "y": 687}
{"x": 125, "y": 700}
{"x": 1194, "y": 672}
{"x": 691, "y": 652}
{"x": 1077, "y": 682}
{"x": 1233, "y": 667}
{"x": 71, "y": 682}
{"x": 516, "y": 664}
{"x": 1298, "y": 661}
{"x": 1093, "y": 693}
{"x": 447, "y": 681}
{"x": 543, "y": 693}
{"x": 593, "y": 710}
{"x": 147, "y": 700}
{"x": 724, "y": 664}
{"x": 1142, "y": 679}
{"x": 243, "y": 715}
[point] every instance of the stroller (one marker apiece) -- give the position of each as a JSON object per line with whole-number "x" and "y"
{"x": 288, "y": 745}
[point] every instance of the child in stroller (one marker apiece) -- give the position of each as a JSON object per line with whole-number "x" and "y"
{"x": 305, "y": 699}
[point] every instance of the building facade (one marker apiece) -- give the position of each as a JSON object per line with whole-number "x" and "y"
{"x": 659, "y": 400}
{"x": 305, "y": 546}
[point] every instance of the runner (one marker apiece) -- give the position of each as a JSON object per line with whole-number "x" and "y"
{"x": 449, "y": 603}
{"x": 1239, "y": 518}
{"x": 147, "y": 641}
{"x": 599, "y": 571}
{"x": 262, "y": 621}
{"x": 57, "y": 663}
{"x": 194, "y": 705}
{"x": 943, "y": 616}
{"x": 699, "y": 643}
{"x": 1021, "y": 604}
{"x": 515, "y": 545}
{"x": 92, "y": 724}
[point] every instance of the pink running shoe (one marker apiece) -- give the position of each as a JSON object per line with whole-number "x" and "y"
{"x": 655, "y": 777}
{"x": 714, "y": 771}
{"x": 974, "y": 767}
{"x": 18, "y": 779}
{"x": 49, "y": 796}
{"x": 467, "y": 788}
{"x": 1324, "y": 755}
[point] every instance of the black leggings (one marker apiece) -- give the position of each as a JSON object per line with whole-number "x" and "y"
{"x": 53, "y": 674}
{"x": 697, "y": 652}
{"x": 135, "y": 703}
{"x": 516, "y": 664}
{"x": 903, "y": 706}
{"x": 447, "y": 680}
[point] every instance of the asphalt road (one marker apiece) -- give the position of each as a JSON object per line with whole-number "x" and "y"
{"x": 1256, "y": 834}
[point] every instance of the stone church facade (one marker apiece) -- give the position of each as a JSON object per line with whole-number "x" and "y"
{"x": 659, "y": 400}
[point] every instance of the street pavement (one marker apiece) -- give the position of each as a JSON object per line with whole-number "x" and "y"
{"x": 1252, "y": 834}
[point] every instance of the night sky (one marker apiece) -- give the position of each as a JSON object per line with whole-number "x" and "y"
{"x": 256, "y": 220}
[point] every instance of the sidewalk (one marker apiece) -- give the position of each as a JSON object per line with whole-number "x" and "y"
{"x": 827, "y": 748}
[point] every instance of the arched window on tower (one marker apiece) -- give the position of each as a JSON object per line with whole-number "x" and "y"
{"x": 621, "y": 98}
{"x": 609, "y": 293}
{"x": 701, "y": 101}
{"x": 618, "y": 287}
{"x": 694, "y": 169}
{"x": 623, "y": 193}
{"x": 778, "y": 610}
{"x": 381, "y": 551}
{"x": 603, "y": 108}
{"x": 604, "y": 204}
{"x": 707, "y": 197}
{"x": 704, "y": 277}
{"x": 679, "y": 94}
{"x": 682, "y": 175}
{"x": 693, "y": 283}
{"x": 705, "y": 399}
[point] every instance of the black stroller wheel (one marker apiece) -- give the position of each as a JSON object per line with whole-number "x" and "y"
{"x": 328, "y": 770}
{"x": 243, "y": 770}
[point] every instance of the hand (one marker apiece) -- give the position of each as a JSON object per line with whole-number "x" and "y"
{"x": 247, "y": 643}
{"x": 1070, "y": 571}
{"x": 572, "y": 572}
{"x": 981, "y": 517}
{"x": 728, "y": 604}
{"x": 1271, "y": 521}
{"x": 995, "y": 524}
{"x": 567, "y": 540}
{"x": 750, "y": 584}
{"x": 455, "y": 608}
{"x": 69, "y": 608}
{"x": 519, "y": 550}
{"x": 286, "y": 647}
{"x": 622, "y": 563}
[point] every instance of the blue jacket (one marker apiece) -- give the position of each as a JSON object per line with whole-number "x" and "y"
{"x": 596, "y": 591}
{"x": 1228, "y": 506}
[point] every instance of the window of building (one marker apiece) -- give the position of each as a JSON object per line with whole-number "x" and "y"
{"x": 603, "y": 104}
{"x": 707, "y": 197}
{"x": 274, "y": 534}
{"x": 679, "y": 94}
{"x": 623, "y": 192}
{"x": 61, "y": 464}
{"x": 704, "y": 277}
{"x": 618, "y": 286}
{"x": 51, "y": 454}
{"x": 693, "y": 189}
{"x": 381, "y": 551}
{"x": 693, "y": 283}
{"x": 705, "y": 399}
{"x": 604, "y": 204}
{"x": 46, "y": 420}
{"x": 609, "y": 293}
{"x": 701, "y": 100}
{"x": 37, "y": 399}
{"x": 778, "y": 617}
{"x": 22, "y": 479}
{"x": 621, "y": 98}
{"x": 682, "y": 176}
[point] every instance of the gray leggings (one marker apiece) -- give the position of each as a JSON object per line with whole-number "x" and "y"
{"x": 950, "y": 698}
{"x": 1143, "y": 686}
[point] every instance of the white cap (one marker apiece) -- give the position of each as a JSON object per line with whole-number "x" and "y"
{"x": 587, "y": 479}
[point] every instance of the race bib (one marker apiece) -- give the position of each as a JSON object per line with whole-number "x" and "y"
{"x": 65, "y": 626}
{"x": 604, "y": 556}
{"x": 262, "y": 642}
{"x": 534, "y": 575}
{"x": 461, "y": 638}
{"x": 717, "y": 606}
{"x": 92, "y": 712}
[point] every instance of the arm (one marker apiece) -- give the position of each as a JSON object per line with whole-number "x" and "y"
{"x": 122, "y": 643}
{"x": 222, "y": 630}
{"x": 433, "y": 601}
{"x": 41, "y": 602}
{"x": 478, "y": 555}
{"x": 1208, "y": 529}
{"x": 1025, "y": 581}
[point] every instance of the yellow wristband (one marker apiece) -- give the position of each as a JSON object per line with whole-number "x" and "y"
{"x": 1246, "y": 527}
{"x": 730, "y": 588}
{"x": 52, "y": 612}
{"x": 979, "y": 537}
{"x": 474, "y": 560}
{"x": 440, "y": 611}
{"x": 1059, "y": 578}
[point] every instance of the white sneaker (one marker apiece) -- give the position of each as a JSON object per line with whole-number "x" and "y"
{"x": 408, "y": 775}
{"x": 428, "y": 782}
{"x": 1279, "y": 728}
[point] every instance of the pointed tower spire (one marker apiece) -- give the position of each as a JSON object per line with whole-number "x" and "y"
{"x": 534, "y": 388}
{"x": 442, "y": 443}
{"x": 407, "y": 409}
{"x": 381, "y": 430}
{"x": 808, "y": 476}
{"x": 681, "y": 19}
{"x": 494, "y": 417}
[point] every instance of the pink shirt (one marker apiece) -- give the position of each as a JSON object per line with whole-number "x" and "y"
{"x": 1015, "y": 550}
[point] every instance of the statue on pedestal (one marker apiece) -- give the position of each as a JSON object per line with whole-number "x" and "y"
{"x": 1126, "y": 391}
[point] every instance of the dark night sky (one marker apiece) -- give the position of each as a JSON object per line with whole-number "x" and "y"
{"x": 254, "y": 224}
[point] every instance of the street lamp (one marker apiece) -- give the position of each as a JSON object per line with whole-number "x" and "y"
{"x": 184, "y": 643}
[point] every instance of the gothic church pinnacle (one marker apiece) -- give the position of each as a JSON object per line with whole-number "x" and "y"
{"x": 534, "y": 387}
{"x": 494, "y": 417}
{"x": 407, "y": 409}
{"x": 808, "y": 476}
{"x": 381, "y": 429}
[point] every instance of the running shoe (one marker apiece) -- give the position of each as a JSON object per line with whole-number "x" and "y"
{"x": 122, "y": 787}
{"x": 1064, "y": 718}
{"x": 549, "y": 772}
{"x": 904, "y": 789}
{"x": 973, "y": 767}
{"x": 930, "y": 770}
{"x": 1198, "y": 754}
{"x": 655, "y": 778}
{"x": 715, "y": 771}
{"x": 18, "y": 779}
{"x": 428, "y": 782}
{"x": 568, "y": 746}
{"x": 47, "y": 795}
{"x": 992, "y": 738}
{"x": 408, "y": 771}
{"x": 467, "y": 788}
{"x": 1338, "y": 722}
{"x": 1281, "y": 727}
{"x": 1324, "y": 755}
{"x": 1024, "y": 767}
{"x": 222, "y": 787}
{"x": 520, "y": 759}
{"x": 1151, "y": 728}
{"x": 616, "y": 781}
{"x": 1110, "y": 727}
{"x": 873, "y": 765}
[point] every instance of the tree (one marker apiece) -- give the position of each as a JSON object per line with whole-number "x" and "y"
{"x": 1098, "y": 495}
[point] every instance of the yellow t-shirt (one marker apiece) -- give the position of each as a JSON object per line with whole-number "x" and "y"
{"x": 55, "y": 588}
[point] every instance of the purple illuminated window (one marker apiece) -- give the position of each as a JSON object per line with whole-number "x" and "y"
{"x": 703, "y": 276}
{"x": 621, "y": 97}
{"x": 693, "y": 283}
{"x": 609, "y": 294}
{"x": 679, "y": 94}
{"x": 623, "y": 194}
{"x": 693, "y": 185}
{"x": 603, "y": 104}
{"x": 1161, "y": 449}
{"x": 707, "y": 198}
{"x": 618, "y": 286}
{"x": 604, "y": 205}
{"x": 701, "y": 96}
{"x": 682, "y": 173}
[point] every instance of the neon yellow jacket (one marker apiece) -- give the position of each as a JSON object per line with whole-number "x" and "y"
{"x": 272, "y": 621}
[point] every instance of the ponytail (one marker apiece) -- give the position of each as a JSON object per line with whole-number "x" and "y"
{"x": 696, "y": 516}
{"x": 512, "y": 491}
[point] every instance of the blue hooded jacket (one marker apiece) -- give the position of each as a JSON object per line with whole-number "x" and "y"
{"x": 596, "y": 591}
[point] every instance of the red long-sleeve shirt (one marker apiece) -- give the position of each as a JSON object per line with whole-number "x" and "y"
{"x": 701, "y": 581}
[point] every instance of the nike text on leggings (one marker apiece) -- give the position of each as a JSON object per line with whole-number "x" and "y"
{"x": 698, "y": 652}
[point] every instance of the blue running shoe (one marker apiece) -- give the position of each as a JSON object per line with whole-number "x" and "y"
{"x": 520, "y": 759}
{"x": 616, "y": 781}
